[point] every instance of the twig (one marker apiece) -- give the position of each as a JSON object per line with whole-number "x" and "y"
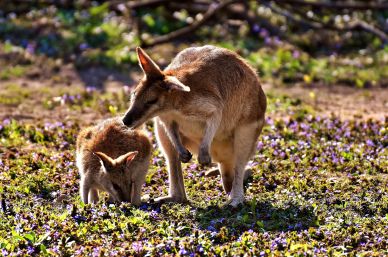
{"x": 291, "y": 17}
{"x": 146, "y": 3}
{"x": 3, "y": 204}
{"x": 252, "y": 19}
{"x": 213, "y": 9}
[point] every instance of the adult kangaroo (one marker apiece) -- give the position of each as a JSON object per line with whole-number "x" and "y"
{"x": 209, "y": 102}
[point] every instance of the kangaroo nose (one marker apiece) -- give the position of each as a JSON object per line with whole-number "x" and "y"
{"x": 127, "y": 120}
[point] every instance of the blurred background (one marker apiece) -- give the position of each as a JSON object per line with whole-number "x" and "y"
{"x": 308, "y": 48}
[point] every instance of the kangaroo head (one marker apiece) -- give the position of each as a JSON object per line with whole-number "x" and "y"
{"x": 151, "y": 96}
{"x": 116, "y": 173}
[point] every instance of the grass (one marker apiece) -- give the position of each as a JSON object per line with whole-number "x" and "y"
{"x": 96, "y": 36}
{"x": 13, "y": 94}
{"x": 12, "y": 72}
{"x": 319, "y": 188}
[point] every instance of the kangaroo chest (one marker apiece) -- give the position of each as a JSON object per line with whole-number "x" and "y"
{"x": 190, "y": 127}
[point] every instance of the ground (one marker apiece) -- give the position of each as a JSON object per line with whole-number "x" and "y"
{"x": 319, "y": 184}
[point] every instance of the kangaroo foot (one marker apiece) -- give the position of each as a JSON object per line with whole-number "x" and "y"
{"x": 204, "y": 157}
{"x": 171, "y": 199}
{"x": 215, "y": 172}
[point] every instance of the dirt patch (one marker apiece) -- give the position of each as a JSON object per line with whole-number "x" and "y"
{"x": 342, "y": 101}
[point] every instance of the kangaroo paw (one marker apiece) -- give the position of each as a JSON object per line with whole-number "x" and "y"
{"x": 185, "y": 156}
{"x": 248, "y": 173}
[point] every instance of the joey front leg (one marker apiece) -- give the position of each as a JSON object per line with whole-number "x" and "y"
{"x": 173, "y": 133}
{"x": 136, "y": 193}
{"x": 93, "y": 195}
{"x": 211, "y": 128}
{"x": 84, "y": 189}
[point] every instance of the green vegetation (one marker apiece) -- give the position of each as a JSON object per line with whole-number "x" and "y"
{"x": 319, "y": 183}
{"x": 13, "y": 95}
{"x": 103, "y": 35}
{"x": 318, "y": 188}
{"x": 12, "y": 72}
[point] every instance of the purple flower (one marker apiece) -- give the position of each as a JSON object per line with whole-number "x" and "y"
{"x": 96, "y": 251}
{"x": 154, "y": 214}
{"x": 276, "y": 41}
{"x": 296, "y": 54}
{"x": 211, "y": 228}
{"x": 79, "y": 218}
{"x": 83, "y": 46}
{"x": 264, "y": 33}
{"x": 30, "y": 250}
{"x": 155, "y": 160}
{"x": 260, "y": 145}
{"x": 193, "y": 166}
{"x": 183, "y": 251}
{"x": 370, "y": 143}
{"x": 31, "y": 48}
{"x": 6, "y": 122}
{"x": 137, "y": 246}
{"x": 90, "y": 89}
{"x": 256, "y": 28}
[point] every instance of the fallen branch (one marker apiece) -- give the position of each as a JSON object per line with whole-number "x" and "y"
{"x": 354, "y": 25}
{"x": 235, "y": 11}
{"x": 338, "y": 5}
{"x": 362, "y": 25}
{"x": 213, "y": 9}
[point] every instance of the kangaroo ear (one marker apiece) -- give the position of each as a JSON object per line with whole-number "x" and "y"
{"x": 149, "y": 67}
{"x": 105, "y": 160}
{"x": 172, "y": 82}
{"x": 127, "y": 158}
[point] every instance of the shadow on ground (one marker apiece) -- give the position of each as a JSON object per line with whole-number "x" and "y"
{"x": 256, "y": 216}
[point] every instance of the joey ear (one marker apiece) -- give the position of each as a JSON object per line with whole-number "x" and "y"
{"x": 173, "y": 82}
{"x": 105, "y": 160}
{"x": 127, "y": 158}
{"x": 149, "y": 67}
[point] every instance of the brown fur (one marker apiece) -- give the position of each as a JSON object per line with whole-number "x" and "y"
{"x": 208, "y": 101}
{"x": 112, "y": 158}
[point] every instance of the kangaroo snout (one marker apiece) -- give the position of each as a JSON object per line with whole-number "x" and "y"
{"x": 128, "y": 120}
{"x": 134, "y": 118}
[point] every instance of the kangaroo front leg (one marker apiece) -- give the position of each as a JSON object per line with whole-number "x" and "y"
{"x": 176, "y": 188}
{"x": 173, "y": 133}
{"x": 211, "y": 128}
{"x": 84, "y": 189}
{"x": 136, "y": 193}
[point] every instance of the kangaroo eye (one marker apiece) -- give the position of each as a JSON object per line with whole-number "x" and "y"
{"x": 151, "y": 102}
